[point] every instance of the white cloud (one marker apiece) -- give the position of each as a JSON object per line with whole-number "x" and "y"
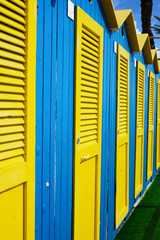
{"x": 137, "y": 30}
{"x": 158, "y": 53}
{"x": 116, "y": 3}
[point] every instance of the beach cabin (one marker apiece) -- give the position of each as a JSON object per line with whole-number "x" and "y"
{"x": 79, "y": 119}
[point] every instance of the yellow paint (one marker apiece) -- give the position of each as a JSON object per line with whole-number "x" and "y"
{"x": 155, "y": 60}
{"x": 88, "y": 116}
{"x": 139, "y": 129}
{"x": 122, "y": 149}
{"x": 150, "y": 125}
{"x": 110, "y": 13}
{"x": 11, "y": 217}
{"x": 158, "y": 126}
{"x": 141, "y": 40}
{"x": 122, "y": 15}
{"x": 17, "y": 119}
{"x": 138, "y": 42}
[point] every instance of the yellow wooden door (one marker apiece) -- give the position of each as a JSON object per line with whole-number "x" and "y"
{"x": 139, "y": 129}
{"x": 17, "y": 119}
{"x": 88, "y": 115}
{"x": 158, "y": 125}
{"x": 150, "y": 125}
{"x": 122, "y": 147}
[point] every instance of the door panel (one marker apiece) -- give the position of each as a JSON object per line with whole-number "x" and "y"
{"x": 11, "y": 209}
{"x": 158, "y": 125}
{"x": 17, "y": 119}
{"x": 88, "y": 115}
{"x": 122, "y": 150}
{"x": 150, "y": 126}
{"x": 139, "y": 128}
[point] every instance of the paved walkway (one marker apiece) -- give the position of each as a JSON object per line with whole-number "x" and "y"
{"x": 144, "y": 223}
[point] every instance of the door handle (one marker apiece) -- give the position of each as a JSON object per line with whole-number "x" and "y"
{"x": 84, "y": 158}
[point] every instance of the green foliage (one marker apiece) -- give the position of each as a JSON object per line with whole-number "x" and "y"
{"x": 156, "y": 27}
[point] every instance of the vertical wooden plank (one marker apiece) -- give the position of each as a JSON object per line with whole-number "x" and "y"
{"x": 70, "y": 126}
{"x": 64, "y": 123}
{"x": 52, "y": 170}
{"x": 59, "y": 87}
{"x": 46, "y": 117}
{"x": 112, "y": 140}
{"x": 39, "y": 119}
{"x": 132, "y": 136}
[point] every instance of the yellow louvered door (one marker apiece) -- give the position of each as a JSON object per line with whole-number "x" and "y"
{"x": 158, "y": 125}
{"x": 88, "y": 115}
{"x": 17, "y": 118}
{"x": 139, "y": 129}
{"x": 122, "y": 147}
{"x": 150, "y": 125}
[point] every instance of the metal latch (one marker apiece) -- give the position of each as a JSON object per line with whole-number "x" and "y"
{"x": 85, "y": 158}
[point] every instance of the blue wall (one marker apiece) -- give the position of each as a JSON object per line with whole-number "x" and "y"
{"x": 55, "y": 123}
{"x": 54, "y": 117}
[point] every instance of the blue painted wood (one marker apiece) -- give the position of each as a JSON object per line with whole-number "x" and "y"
{"x": 46, "y": 118}
{"x": 52, "y": 170}
{"x": 39, "y": 123}
{"x": 59, "y": 91}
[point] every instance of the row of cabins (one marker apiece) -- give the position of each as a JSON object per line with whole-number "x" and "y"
{"x": 74, "y": 164}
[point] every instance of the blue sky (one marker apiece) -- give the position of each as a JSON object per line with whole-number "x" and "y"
{"x": 136, "y": 8}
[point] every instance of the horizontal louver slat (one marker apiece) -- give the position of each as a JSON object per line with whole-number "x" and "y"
{"x": 123, "y": 95}
{"x": 140, "y": 112}
{"x": 12, "y": 79}
{"x": 89, "y": 86}
{"x": 151, "y": 101}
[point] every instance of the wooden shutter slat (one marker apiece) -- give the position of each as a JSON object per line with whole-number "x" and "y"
{"x": 12, "y": 81}
{"x": 12, "y": 15}
{"x": 11, "y": 31}
{"x": 11, "y": 105}
{"x": 11, "y": 154}
{"x": 11, "y": 137}
{"x": 12, "y": 72}
{"x": 13, "y": 7}
{"x": 11, "y": 121}
{"x": 87, "y": 60}
{"x": 11, "y": 129}
{"x": 89, "y": 56}
{"x": 12, "y": 48}
{"x": 11, "y": 64}
{"x": 11, "y": 145}
{"x": 11, "y": 113}
{"x": 89, "y": 51}
{"x": 86, "y": 122}
{"x": 11, "y": 39}
{"x": 19, "y": 3}
{"x": 12, "y": 23}
{"x": 14, "y": 97}
{"x": 12, "y": 56}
